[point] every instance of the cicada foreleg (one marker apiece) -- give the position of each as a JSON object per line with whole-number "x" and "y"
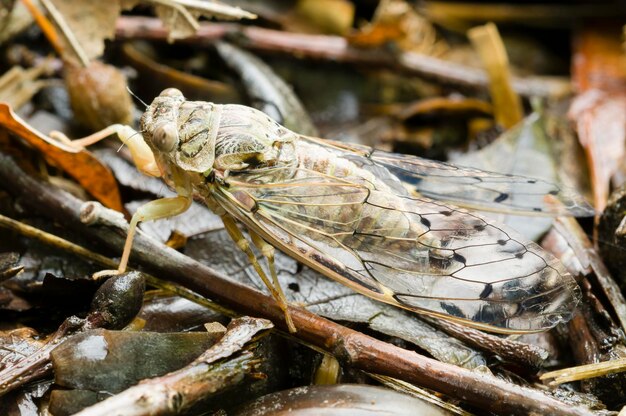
{"x": 145, "y": 162}
{"x": 153, "y": 210}
{"x": 143, "y": 158}
{"x": 268, "y": 252}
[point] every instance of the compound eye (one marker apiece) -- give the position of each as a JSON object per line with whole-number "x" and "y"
{"x": 165, "y": 137}
{"x": 171, "y": 92}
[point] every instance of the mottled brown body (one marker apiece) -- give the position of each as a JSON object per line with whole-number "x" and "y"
{"x": 362, "y": 218}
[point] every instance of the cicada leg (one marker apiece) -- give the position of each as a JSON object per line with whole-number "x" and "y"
{"x": 145, "y": 162}
{"x": 142, "y": 156}
{"x": 153, "y": 210}
{"x": 268, "y": 252}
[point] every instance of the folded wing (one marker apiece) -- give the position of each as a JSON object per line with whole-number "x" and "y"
{"x": 407, "y": 250}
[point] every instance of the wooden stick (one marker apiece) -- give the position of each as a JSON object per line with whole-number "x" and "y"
{"x": 337, "y": 49}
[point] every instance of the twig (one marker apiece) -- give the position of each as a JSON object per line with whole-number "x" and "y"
{"x": 337, "y": 49}
{"x": 53, "y": 240}
{"x": 67, "y": 32}
{"x": 349, "y": 346}
{"x": 583, "y": 372}
{"x": 46, "y": 26}
{"x": 68, "y": 246}
{"x": 507, "y": 349}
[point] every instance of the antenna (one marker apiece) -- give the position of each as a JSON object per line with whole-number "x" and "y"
{"x": 135, "y": 95}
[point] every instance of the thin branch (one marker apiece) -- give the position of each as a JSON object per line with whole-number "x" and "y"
{"x": 55, "y": 241}
{"x": 507, "y": 349}
{"x": 68, "y": 246}
{"x": 45, "y": 25}
{"x": 337, "y": 49}
{"x": 67, "y": 32}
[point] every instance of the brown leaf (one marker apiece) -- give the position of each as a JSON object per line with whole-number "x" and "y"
{"x": 396, "y": 21}
{"x": 181, "y": 17}
{"x": 91, "y": 22}
{"x": 98, "y": 95}
{"x": 599, "y": 110}
{"x": 79, "y": 164}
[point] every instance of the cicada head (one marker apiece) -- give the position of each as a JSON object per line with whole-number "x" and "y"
{"x": 197, "y": 136}
{"x": 181, "y": 132}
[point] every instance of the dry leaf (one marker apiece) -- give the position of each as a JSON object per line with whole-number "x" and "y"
{"x": 19, "y": 85}
{"x": 79, "y": 164}
{"x": 91, "y": 22}
{"x": 180, "y": 17}
{"x": 98, "y": 95}
{"x": 396, "y": 21}
{"x": 599, "y": 111}
{"x": 507, "y": 105}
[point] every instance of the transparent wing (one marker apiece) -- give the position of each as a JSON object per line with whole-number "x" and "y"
{"x": 408, "y": 251}
{"x": 469, "y": 187}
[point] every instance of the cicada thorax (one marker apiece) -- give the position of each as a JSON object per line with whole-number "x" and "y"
{"x": 248, "y": 141}
{"x": 198, "y": 127}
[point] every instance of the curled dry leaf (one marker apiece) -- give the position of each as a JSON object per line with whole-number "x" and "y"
{"x": 180, "y": 17}
{"x": 79, "y": 164}
{"x": 98, "y": 95}
{"x": 397, "y": 21}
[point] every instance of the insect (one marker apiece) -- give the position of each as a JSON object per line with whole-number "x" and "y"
{"x": 381, "y": 223}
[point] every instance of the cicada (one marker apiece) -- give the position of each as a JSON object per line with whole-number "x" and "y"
{"x": 393, "y": 227}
